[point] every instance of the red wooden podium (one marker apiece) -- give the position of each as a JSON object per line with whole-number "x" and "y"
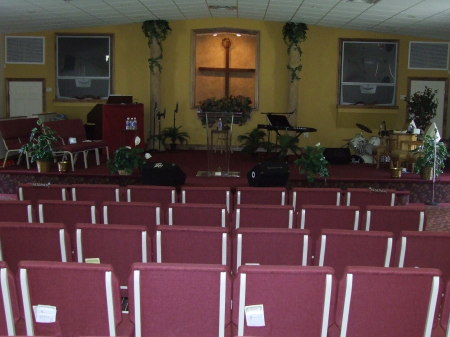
{"x": 114, "y": 131}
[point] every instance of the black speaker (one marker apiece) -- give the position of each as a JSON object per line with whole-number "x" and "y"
{"x": 162, "y": 174}
{"x": 336, "y": 156}
{"x": 269, "y": 174}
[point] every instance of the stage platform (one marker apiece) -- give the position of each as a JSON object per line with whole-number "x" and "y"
{"x": 342, "y": 176}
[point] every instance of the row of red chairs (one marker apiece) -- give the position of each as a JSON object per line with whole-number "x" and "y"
{"x": 295, "y": 197}
{"x": 313, "y": 217}
{"x": 203, "y": 300}
{"x": 121, "y": 245}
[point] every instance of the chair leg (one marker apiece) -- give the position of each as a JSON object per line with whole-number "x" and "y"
{"x": 72, "y": 160}
{"x": 107, "y": 153}
{"x": 5, "y": 159}
{"x": 85, "y": 154}
{"x": 97, "y": 156}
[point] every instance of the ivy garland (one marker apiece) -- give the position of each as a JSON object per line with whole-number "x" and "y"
{"x": 293, "y": 35}
{"x": 158, "y": 29}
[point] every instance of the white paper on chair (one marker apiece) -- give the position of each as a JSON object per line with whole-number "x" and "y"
{"x": 254, "y": 315}
{"x": 44, "y": 313}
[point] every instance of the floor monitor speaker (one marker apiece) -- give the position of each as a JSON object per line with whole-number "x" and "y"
{"x": 340, "y": 155}
{"x": 162, "y": 174}
{"x": 270, "y": 174}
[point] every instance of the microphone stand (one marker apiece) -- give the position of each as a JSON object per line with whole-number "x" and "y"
{"x": 433, "y": 203}
{"x": 155, "y": 111}
{"x": 160, "y": 115}
{"x": 174, "y": 114}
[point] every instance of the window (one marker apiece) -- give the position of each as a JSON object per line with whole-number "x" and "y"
{"x": 368, "y": 74}
{"x": 83, "y": 66}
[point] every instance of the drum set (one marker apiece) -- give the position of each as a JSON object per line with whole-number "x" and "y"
{"x": 362, "y": 147}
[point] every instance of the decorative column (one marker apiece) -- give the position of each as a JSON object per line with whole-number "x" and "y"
{"x": 156, "y": 32}
{"x": 293, "y": 35}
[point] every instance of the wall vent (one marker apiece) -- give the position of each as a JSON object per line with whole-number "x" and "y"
{"x": 428, "y": 55}
{"x": 25, "y": 49}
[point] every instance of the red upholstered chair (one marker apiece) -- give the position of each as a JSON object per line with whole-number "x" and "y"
{"x": 215, "y": 215}
{"x": 15, "y": 133}
{"x": 9, "y": 305}
{"x": 95, "y": 192}
{"x": 388, "y": 302}
{"x": 178, "y": 300}
{"x": 297, "y": 301}
{"x": 118, "y": 245}
{"x": 363, "y": 197}
{"x": 424, "y": 249}
{"x": 21, "y": 241}
{"x": 86, "y": 297}
{"x": 16, "y": 210}
{"x": 192, "y": 244}
{"x": 263, "y": 216}
{"x": 339, "y": 248}
{"x": 270, "y": 246}
{"x": 318, "y": 217}
{"x": 261, "y": 196}
{"x": 315, "y": 196}
{"x": 443, "y": 329}
{"x": 35, "y": 192}
{"x": 207, "y": 195}
{"x": 395, "y": 218}
{"x": 74, "y": 128}
{"x": 143, "y": 193}
{"x": 133, "y": 213}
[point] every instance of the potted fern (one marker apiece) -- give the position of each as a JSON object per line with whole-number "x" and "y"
{"x": 39, "y": 146}
{"x": 174, "y": 135}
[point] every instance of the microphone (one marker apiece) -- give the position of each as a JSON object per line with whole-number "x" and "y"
{"x": 176, "y": 108}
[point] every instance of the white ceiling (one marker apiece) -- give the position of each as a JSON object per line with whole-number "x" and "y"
{"x": 425, "y": 18}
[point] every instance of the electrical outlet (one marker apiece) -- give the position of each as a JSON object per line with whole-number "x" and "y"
{"x": 306, "y": 134}
{"x": 48, "y": 89}
{"x": 402, "y": 97}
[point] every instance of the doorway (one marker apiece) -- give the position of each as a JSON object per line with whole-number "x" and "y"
{"x": 25, "y": 97}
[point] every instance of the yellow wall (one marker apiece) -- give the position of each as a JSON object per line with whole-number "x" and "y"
{"x": 317, "y": 106}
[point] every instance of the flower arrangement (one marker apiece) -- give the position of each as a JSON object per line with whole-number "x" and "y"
{"x": 229, "y": 104}
{"x": 422, "y": 107}
{"x": 127, "y": 159}
{"x": 312, "y": 163}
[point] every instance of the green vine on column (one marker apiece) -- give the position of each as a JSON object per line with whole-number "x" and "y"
{"x": 293, "y": 34}
{"x": 157, "y": 29}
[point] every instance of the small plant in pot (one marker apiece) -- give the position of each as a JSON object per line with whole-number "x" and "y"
{"x": 426, "y": 155}
{"x": 174, "y": 135}
{"x": 39, "y": 146}
{"x": 252, "y": 141}
{"x": 312, "y": 163}
{"x": 127, "y": 159}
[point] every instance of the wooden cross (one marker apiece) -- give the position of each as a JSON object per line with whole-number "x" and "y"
{"x": 226, "y": 43}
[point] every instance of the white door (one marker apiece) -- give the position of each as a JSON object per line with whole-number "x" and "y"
{"x": 417, "y": 84}
{"x": 25, "y": 97}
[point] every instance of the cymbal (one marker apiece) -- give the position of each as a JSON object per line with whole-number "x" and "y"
{"x": 363, "y": 127}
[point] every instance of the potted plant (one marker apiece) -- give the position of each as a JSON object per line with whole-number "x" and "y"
{"x": 174, "y": 135}
{"x": 312, "y": 163}
{"x": 285, "y": 143}
{"x": 39, "y": 146}
{"x": 422, "y": 107}
{"x": 427, "y": 153}
{"x": 252, "y": 141}
{"x": 127, "y": 159}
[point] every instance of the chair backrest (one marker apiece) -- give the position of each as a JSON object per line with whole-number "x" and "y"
{"x": 86, "y": 297}
{"x": 95, "y": 192}
{"x": 445, "y": 314}
{"x": 388, "y": 302}
{"x": 263, "y": 216}
{"x": 21, "y": 241}
{"x": 67, "y": 212}
{"x": 186, "y": 244}
{"x": 395, "y": 218}
{"x": 35, "y": 192}
{"x": 318, "y": 217}
{"x": 215, "y": 215}
{"x": 295, "y": 300}
{"x": 16, "y": 131}
{"x": 206, "y": 195}
{"x": 163, "y": 195}
{"x": 339, "y": 248}
{"x": 261, "y": 195}
{"x": 16, "y": 210}
{"x": 315, "y": 196}
{"x": 117, "y": 245}
{"x": 66, "y": 128}
{"x": 270, "y": 246}
{"x": 133, "y": 213}
{"x": 363, "y": 197}
{"x": 9, "y": 305}
{"x": 424, "y": 249}
{"x": 168, "y": 299}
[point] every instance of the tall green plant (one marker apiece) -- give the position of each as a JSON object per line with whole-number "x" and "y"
{"x": 422, "y": 107}
{"x": 427, "y": 153}
{"x": 293, "y": 35}
{"x": 158, "y": 30}
{"x": 39, "y": 146}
